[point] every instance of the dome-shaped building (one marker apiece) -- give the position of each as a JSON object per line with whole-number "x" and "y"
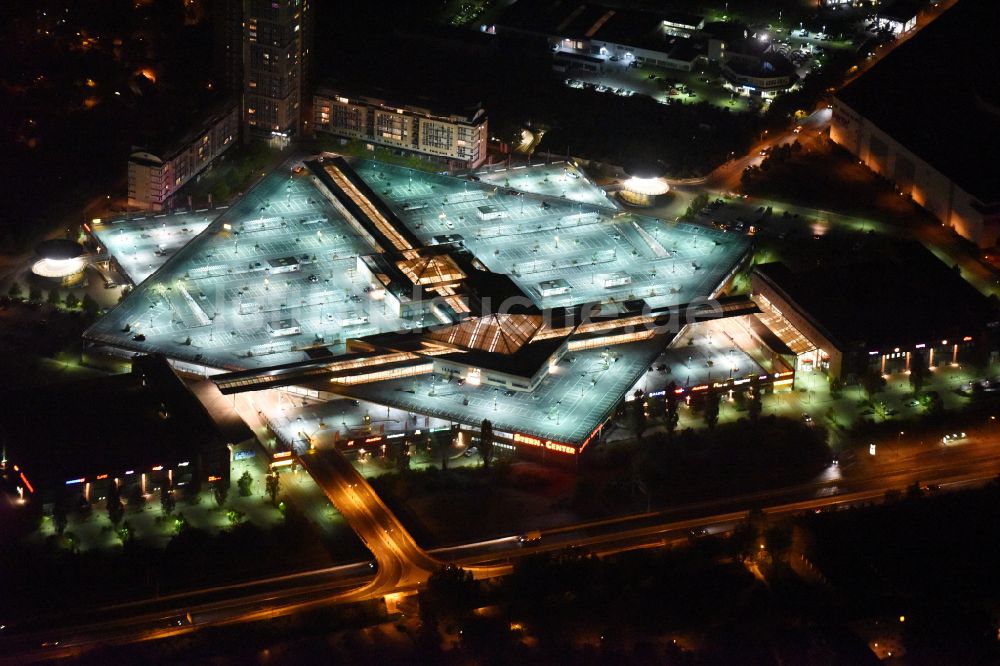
{"x": 60, "y": 261}
{"x": 646, "y": 184}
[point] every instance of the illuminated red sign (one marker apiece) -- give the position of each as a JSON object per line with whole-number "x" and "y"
{"x": 547, "y": 444}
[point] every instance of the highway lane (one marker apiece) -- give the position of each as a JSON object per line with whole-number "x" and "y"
{"x": 401, "y": 561}
{"x": 972, "y": 463}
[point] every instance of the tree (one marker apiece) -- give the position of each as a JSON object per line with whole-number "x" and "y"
{"x": 136, "y": 500}
{"x": 60, "y": 516}
{"x": 754, "y": 401}
{"x": 72, "y": 301}
{"x": 273, "y": 486}
{"x": 711, "y": 414}
{"x": 672, "y": 404}
{"x": 872, "y": 382}
{"x": 450, "y": 594}
{"x": 637, "y": 414}
{"x": 220, "y": 492}
{"x": 836, "y": 386}
{"x": 35, "y": 295}
{"x": 15, "y": 290}
{"x": 697, "y": 205}
{"x": 918, "y": 371}
{"x": 53, "y": 298}
{"x": 90, "y": 306}
{"x": 401, "y": 455}
{"x": 441, "y": 445}
{"x": 486, "y": 443}
{"x": 167, "y": 502}
{"x": 116, "y": 510}
{"x": 245, "y": 484}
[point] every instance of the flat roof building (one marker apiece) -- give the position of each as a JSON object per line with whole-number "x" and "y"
{"x": 605, "y": 32}
{"x": 155, "y": 174}
{"x": 750, "y": 62}
{"x": 898, "y": 17}
{"x": 927, "y": 117}
{"x": 365, "y": 279}
{"x": 142, "y": 428}
{"x": 842, "y": 319}
{"x": 452, "y": 132}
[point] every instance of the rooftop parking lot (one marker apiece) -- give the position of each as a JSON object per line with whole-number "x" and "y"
{"x": 271, "y": 277}
{"x": 274, "y": 277}
{"x": 560, "y": 179}
{"x": 706, "y": 352}
{"x": 601, "y": 253}
{"x": 142, "y": 244}
{"x": 566, "y": 407}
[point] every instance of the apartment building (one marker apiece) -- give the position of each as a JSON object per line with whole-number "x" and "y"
{"x": 156, "y": 174}
{"x": 455, "y": 135}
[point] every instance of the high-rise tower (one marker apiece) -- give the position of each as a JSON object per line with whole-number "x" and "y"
{"x": 227, "y": 21}
{"x": 277, "y": 36}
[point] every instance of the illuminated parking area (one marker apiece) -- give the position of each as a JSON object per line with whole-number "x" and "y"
{"x": 573, "y": 400}
{"x": 560, "y": 179}
{"x": 271, "y": 279}
{"x": 275, "y": 279}
{"x": 142, "y": 244}
{"x": 559, "y": 252}
{"x": 704, "y": 354}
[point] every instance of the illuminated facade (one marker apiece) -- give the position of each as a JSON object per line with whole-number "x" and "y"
{"x": 155, "y": 176}
{"x": 61, "y": 262}
{"x": 277, "y": 54}
{"x": 457, "y": 137}
{"x": 946, "y": 164}
{"x": 154, "y": 430}
{"x": 585, "y": 36}
{"x": 842, "y": 320}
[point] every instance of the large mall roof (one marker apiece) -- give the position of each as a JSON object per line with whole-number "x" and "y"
{"x": 277, "y": 278}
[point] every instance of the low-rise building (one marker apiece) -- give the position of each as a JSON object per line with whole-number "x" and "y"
{"x": 139, "y": 430}
{"x": 846, "y": 318}
{"x": 750, "y": 62}
{"x": 899, "y": 17}
{"x": 454, "y": 133}
{"x": 607, "y": 33}
{"x": 927, "y": 117}
{"x": 156, "y": 174}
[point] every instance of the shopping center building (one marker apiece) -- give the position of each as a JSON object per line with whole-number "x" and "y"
{"x": 455, "y": 298}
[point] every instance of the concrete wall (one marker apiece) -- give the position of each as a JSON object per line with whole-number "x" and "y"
{"x": 928, "y": 187}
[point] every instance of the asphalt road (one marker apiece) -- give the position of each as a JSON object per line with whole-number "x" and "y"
{"x": 403, "y": 565}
